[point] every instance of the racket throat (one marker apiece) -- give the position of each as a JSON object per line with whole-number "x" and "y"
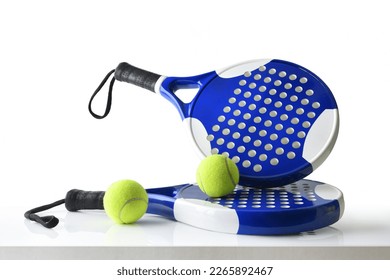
{"x": 183, "y": 92}
{"x": 161, "y": 205}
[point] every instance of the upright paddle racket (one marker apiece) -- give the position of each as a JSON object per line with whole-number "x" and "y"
{"x": 275, "y": 119}
{"x": 302, "y": 206}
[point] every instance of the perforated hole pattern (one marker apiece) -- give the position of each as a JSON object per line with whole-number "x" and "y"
{"x": 289, "y": 196}
{"x": 265, "y": 120}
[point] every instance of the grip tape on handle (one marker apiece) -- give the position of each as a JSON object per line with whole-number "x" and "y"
{"x": 136, "y": 76}
{"x": 80, "y": 200}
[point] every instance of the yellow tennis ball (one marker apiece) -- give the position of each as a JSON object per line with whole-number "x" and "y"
{"x": 125, "y": 201}
{"x": 217, "y": 175}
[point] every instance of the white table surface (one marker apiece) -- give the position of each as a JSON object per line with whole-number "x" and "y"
{"x": 366, "y": 234}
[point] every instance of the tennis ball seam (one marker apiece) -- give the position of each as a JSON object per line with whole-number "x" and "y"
{"x": 127, "y": 202}
{"x": 230, "y": 174}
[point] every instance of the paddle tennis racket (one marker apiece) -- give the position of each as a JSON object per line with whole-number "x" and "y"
{"x": 275, "y": 119}
{"x": 302, "y": 206}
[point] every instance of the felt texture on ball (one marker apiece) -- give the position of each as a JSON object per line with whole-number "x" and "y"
{"x": 217, "y": 175}
{"x": 125, "y": 201}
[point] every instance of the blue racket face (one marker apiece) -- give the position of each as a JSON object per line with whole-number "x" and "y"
{"x": 276, "y": 120}
{"x": 302, "y": 206}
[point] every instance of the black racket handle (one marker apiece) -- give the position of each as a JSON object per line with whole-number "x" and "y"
{"x": 81, "y": 200}
{"x": 136, "y": 76}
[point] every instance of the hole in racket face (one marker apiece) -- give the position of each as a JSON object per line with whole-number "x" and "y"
{"x": 261, "y": 120}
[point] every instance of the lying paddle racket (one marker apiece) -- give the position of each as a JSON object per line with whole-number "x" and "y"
{"x": 302, "y": 206}
{"x": 276, "y": 120}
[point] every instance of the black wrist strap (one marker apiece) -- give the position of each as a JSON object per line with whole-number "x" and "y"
{"x": 46, "y": 221}
{"x": 109, "y": 96}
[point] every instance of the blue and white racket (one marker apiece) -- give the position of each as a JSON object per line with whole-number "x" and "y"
{"x": 275, "y": 119}
{"x": 302, "y": 206}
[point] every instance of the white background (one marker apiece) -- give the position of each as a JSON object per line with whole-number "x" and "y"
{"x": 53, "y": 55}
